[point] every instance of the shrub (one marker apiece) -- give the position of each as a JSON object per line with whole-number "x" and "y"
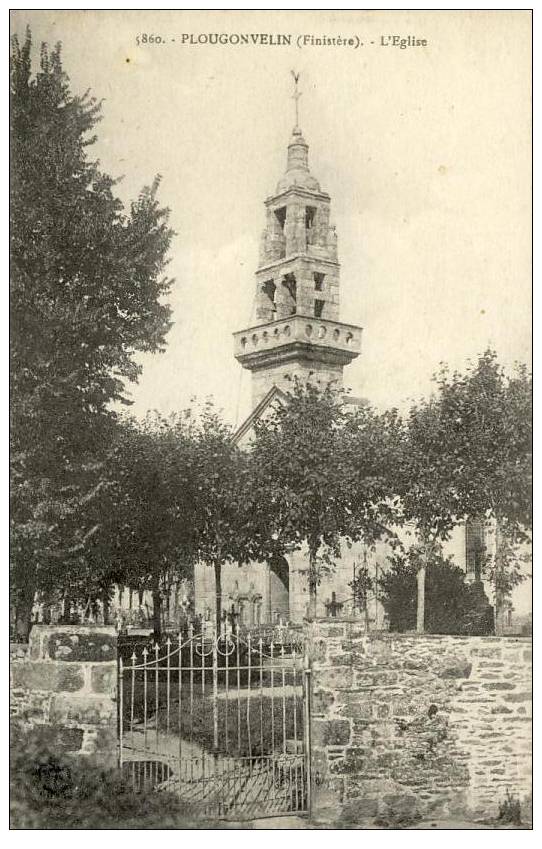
{"x": 50, "y": 791}
{"x": 452, "y": 606}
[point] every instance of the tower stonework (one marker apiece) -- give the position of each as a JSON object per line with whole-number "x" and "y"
{"x": 297, "y": 331}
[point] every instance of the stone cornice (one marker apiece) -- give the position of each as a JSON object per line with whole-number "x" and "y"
{"x": 296, "y": 352}
{"x": 297, "y": 190}
{"x": 285, "y": 260}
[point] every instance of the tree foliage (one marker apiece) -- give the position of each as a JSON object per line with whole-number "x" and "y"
{"x": 87, "y": 289}
{"x": 485, "y": 417}
{"x": 228, "y": 523}
{"x": 321, "y": 477}
{"x": 147, "y": 531}
{"x": 467, "y": 454}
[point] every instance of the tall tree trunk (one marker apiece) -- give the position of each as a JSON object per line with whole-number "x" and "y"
{"x": 105, "y": 607}
{"x": 218, "y": 594}
{"x": 156, "y": 608}
{"x": 499, "y": 594}
{"x": 66, "y": 610}
{"x": 23, "y": 612}
{"x": 420, "y": 610}
{"x": 376, "y": 597}
{"x": 313, "y": 583}
{"x": 168, "y": 600}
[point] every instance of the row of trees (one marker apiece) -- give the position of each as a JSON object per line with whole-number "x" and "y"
{"x": 99, "y": 499}
{"x": 316, "y": 477}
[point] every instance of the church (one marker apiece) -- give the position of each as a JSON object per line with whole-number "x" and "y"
{"x": 298, "y": 333}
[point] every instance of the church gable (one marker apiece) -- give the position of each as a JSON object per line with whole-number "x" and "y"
{"x": 267, "y": 405}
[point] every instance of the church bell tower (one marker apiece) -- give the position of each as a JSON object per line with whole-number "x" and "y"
{"x": 297, "y": 331}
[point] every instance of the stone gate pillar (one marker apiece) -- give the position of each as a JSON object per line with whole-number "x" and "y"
{"x": 68, "y": 681}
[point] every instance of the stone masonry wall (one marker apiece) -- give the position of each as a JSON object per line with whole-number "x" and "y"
{"x": 407, "y": 726}
{"x": 67, "y": 680}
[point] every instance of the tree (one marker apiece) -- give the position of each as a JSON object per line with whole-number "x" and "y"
{"x": 427, "y": 489}
{"x": 486, "y": 416}
{"x": 87, "y": 289}
{"x": 150, "y": 532}
{"x": 318, "y": 481}
{"x": 453, "y": 605}
{"x": 227, "y": 523}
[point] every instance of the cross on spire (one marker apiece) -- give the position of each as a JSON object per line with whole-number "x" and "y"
{"x": 295, "y": 96}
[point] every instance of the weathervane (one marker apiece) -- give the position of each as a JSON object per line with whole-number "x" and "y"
{"x": 296, "y": 95}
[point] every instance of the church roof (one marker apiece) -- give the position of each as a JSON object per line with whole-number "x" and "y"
{"x": 257, "y": 412}
{"x": 277, "y": 394}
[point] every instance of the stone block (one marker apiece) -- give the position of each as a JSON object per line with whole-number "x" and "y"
{"x": 66, "y": 740}
{"x": 78, "y": 643}
{"x": 331, "y": 732}
{"x": 321, "y": 701}
{"x": 525, "y": 696}
{"x": 103, "y": 678}
{"x": 495, "y": 653}
{"x": 399, "y": 808}
{"x": 54, "y": 677}
{"x": 355, "y": 759}
{"x": 458, "y": 669}
{"x": 328, "y": 795}
{"x": 338, "y": 677}
{"x": 382, "y": 711}
{"x": 357, "y": 706}
{"x": 361, "y": 809}
{"x": 499, "y": 685}
{"x": 82, "y": 710}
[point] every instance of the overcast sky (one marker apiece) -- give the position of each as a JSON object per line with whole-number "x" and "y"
{"x": 424, "y": 151}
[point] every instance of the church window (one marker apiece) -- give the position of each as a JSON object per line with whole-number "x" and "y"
{"x": 310, "y": 214}
{"x": 280, "y": 215}
{"x": 310, "y": 219}
{"x": 290, "y": 285}
{"x": 318, "y": 308}
{"x": 269, "y": 289}
{"x": 319, "y": 281}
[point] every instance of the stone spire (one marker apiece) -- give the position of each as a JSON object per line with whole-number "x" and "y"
{"x": 297, "y": 168}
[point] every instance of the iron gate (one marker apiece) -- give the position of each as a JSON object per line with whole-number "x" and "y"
{"x": 223, "y": 721}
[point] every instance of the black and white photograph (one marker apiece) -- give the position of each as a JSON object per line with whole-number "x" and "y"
{"x": 270, "y": 330}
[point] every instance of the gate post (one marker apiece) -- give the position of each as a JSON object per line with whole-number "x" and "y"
{"x": 68, "y": 681}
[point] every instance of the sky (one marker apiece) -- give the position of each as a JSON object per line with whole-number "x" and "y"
{"x": 425, "y": 152}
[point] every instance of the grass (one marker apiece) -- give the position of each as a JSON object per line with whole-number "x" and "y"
{"x": 262, "y": 729}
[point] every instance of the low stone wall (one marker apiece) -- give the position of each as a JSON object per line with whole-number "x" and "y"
{"x": 407, "y": 726}
{"x": 67, "y": 679}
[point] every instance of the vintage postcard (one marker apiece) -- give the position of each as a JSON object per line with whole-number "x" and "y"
{"x": 271, "y": 419}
